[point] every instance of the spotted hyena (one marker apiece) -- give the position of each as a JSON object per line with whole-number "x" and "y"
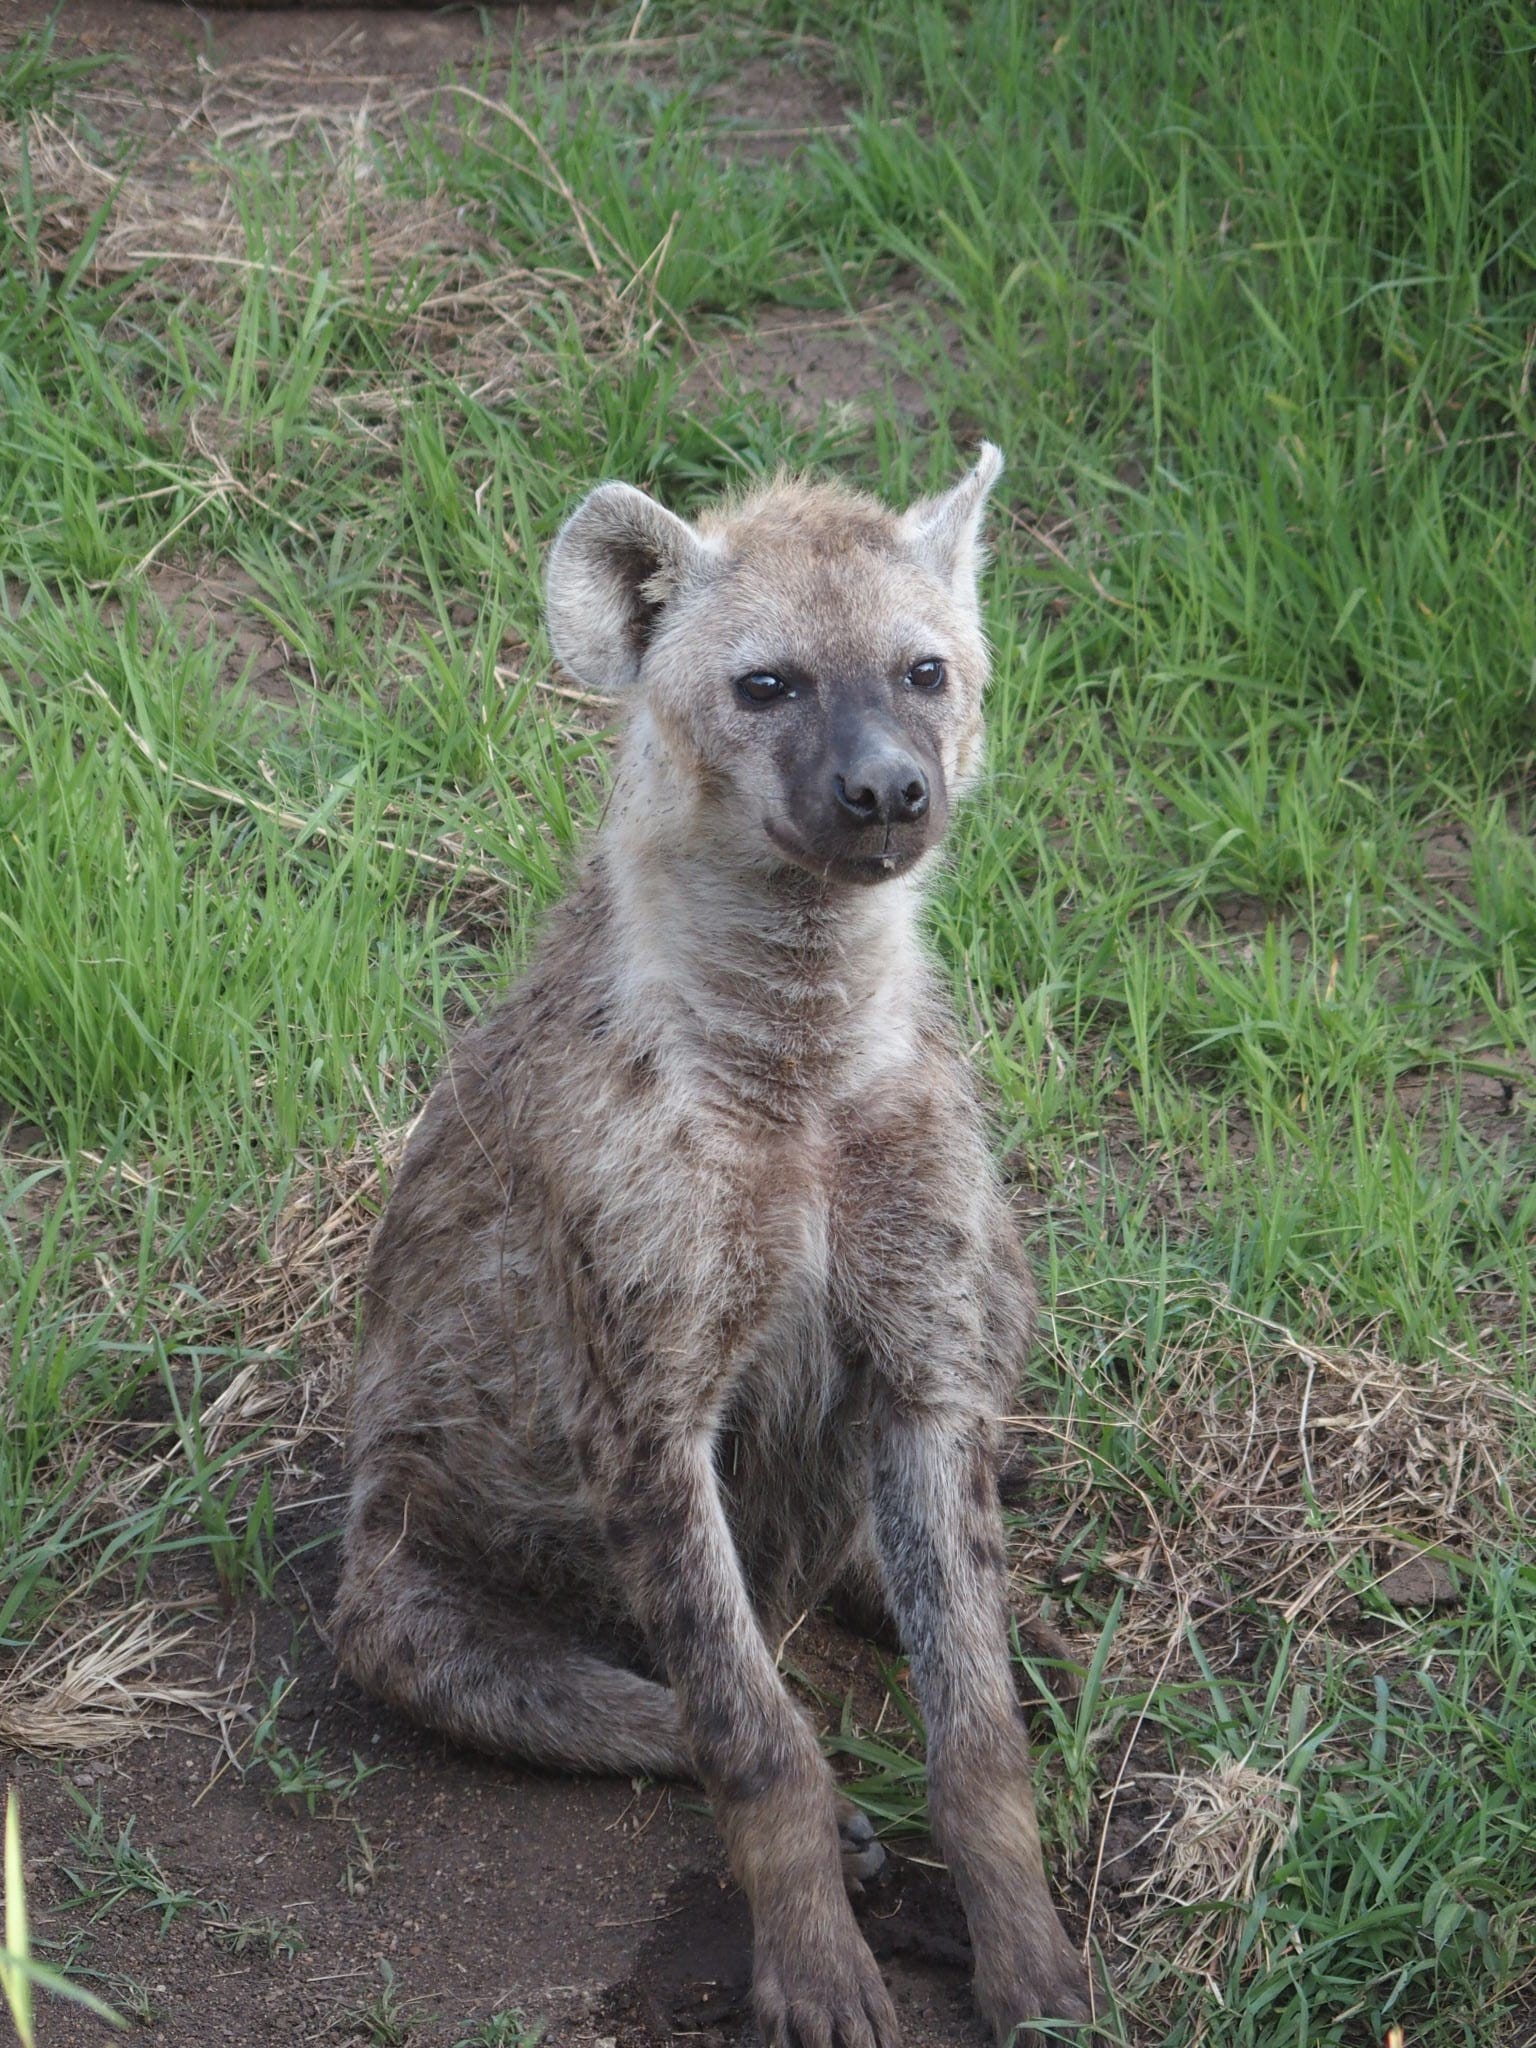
{"x": 697, "y": 1297}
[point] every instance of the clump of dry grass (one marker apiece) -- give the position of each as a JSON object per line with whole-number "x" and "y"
{"x": 181, "y": 216}
{"x": 101, "y": 1684}
{"x": 1298, "y": 1473}
{"x": 1223, "y": 1829}
{"x": 172, "y": 221}
{"x": 301, "y": 1290}
{"x": 285, "y": 1299}
{"x": 1269, "y": 1471}
{"x": 281, "y": 1303}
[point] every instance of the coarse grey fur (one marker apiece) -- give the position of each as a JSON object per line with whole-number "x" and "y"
{"x": 697, "y": 1295}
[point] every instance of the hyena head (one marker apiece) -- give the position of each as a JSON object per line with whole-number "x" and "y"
{"x": 804, "y": 670}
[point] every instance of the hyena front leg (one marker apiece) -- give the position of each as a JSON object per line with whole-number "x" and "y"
{"x": 939, "y": 1533}
{"x": 815, "y": 1983}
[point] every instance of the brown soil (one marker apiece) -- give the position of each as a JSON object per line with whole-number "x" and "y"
{"x": 158, "y": 46}
{"x": 812, "y": 361}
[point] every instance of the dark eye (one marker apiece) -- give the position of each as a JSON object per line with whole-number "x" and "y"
{"x": 927, "y": 675}
{"x": 762, "y": 688}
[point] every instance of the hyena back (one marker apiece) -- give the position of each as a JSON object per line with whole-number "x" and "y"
{"x": 696, "y": 1293}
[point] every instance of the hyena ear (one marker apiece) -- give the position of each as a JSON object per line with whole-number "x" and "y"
{"x": 945, "y": 533}
{"x": 615, "y": 564}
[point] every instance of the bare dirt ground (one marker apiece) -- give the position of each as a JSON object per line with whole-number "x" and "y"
{"x": 444, "y": 1890}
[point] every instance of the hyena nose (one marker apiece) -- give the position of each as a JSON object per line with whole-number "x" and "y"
{"x": 892, "y": 792}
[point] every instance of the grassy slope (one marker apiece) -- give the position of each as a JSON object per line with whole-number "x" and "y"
{"x": 1245, "y": 921}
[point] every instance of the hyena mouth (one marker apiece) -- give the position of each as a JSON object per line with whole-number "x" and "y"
{"x": 892, "y": 859}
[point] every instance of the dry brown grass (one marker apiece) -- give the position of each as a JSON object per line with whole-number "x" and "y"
{"x": 1297, "y": 1473}
{"x": 1322, "y": 1480}
{"x": 300, "y": 1289}
{"x": 280, "y": 1298}
{"x": 283, "y": 1301}
{"x": 181, "y": 214}
{"x": 104, "y": 1682}
{"x": 1223, "y": 1827}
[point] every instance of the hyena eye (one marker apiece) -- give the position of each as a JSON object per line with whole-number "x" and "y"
{"x": 762, "y": 688}
{"x": 927, "y": 674}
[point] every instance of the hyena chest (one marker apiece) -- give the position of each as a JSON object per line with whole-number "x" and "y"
{"x": 795, "y": 1483}
{"x": 792, "y": 1451}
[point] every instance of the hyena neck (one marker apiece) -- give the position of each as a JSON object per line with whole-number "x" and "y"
{"x": 776, "y": 988}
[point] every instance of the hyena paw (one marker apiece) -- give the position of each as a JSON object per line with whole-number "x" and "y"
{"x": 863, "y": 1852}
{"x": 820, "y": 1988}
{"x": 1053, "y": 1987}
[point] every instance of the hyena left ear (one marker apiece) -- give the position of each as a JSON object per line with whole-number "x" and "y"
{"x": 945, "y": 533}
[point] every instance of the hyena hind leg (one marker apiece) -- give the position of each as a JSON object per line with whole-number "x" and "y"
{"x": 496, "y": 1675}
{"x": 502, "y": 1678}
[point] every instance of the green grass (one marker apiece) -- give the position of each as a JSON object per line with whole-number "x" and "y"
{"x": 115, "y": 1871}
{"x": 503, "y": 2030}
{"x": 1243, "y": 923}
{"x": 385, "y": 2019}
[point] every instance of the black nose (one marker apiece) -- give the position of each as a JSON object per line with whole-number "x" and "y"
{"x": 894, "y": 792}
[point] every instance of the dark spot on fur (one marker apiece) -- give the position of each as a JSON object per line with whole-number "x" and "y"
{"x": 630, "y": 1485}
{"x": 712, "y": 1730}
{"x": 381, "y": 1521}
{"x": 711, "y": 782}
{"x": 684, "y": 1624}
{"x": 740, "y": 1783}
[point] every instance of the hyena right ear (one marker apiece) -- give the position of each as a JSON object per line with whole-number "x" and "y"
{"x": 615, "y": 564}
